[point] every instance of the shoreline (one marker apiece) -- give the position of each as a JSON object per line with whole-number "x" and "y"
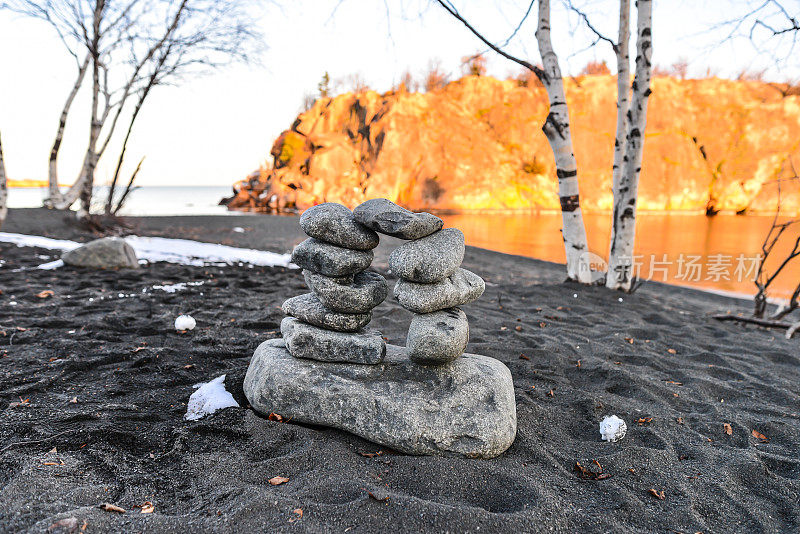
{"x": 218, "y": 229}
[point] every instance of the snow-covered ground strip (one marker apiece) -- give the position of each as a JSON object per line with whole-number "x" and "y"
{"x": 180, "y": 286}
{"x": 152, "y": 249}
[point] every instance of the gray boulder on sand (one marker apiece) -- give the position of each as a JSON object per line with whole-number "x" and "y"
{"x": 334, "y": 223}
{"x": 313, "y": 343}
{"x": 105, "y": 253}
{"x": 438, "y": 337}
{"x": 330, "y": 260}
{"x": 430, "y": 259}
{"x": 461, "y": 287}
{"x": 358, "y": 294}
{"x": 388, "y": 218}
{"x": 309, "y": 309}
{"x": 466, "y": 407}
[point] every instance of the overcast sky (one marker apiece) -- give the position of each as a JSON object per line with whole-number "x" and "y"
{"x": 215, "y": 130}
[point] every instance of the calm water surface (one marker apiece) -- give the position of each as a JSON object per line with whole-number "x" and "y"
{"x": 717, "y": 253}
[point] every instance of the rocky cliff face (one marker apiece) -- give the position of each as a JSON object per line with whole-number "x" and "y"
{"x": 476, "y": 144}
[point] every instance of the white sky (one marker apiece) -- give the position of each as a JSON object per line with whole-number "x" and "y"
{"x": 216, "y": 129}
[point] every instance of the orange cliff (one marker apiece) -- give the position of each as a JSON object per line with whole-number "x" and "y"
{"x": 476, "y": 144}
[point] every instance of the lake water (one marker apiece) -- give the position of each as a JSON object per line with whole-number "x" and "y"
{"x": 717, "y": 253}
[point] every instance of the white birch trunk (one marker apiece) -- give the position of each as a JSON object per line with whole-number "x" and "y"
{"x": 556, "y": 129}
{"x": 54, "y": 193}
{"x": 620, "y": 261}
{"x": 3, "y": 187}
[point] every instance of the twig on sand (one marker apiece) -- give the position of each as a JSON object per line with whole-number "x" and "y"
{"x": 792, "y": 329}
{"x": 753, "y": 320}
{"x": 32, "y": 442}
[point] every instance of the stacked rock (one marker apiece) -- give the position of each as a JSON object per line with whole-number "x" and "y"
{"x": 432, "y": 283}
{"x": 329, "y": 323}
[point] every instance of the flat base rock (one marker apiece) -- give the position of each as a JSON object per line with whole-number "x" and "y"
{"x": 465, "y": 407}
{"x": 104, "y": 253}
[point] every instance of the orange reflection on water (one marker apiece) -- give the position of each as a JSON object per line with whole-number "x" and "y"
{"x": 667, "y": 245}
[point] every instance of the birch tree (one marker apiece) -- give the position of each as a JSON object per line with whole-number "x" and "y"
{"x": 629, "y": 138}
{"x": 626, "y": 188}
{"x": 3, "y": 187}
{"x": 130, "y": 48}
{"x": 556, "y": 129}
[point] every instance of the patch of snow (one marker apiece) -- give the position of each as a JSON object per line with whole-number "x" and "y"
{"x": 196, "y": 253}
{"x": 152, "y": 249}
{"x": 180, "y": 286}
{"x": 185, "y": 322}
{"x": 51, "y": 265}
{"x": 23, "y": 240}
{"x": 209, "y": 397}
{"x": 238, "y": 229}
{"x": 612, "y": 428}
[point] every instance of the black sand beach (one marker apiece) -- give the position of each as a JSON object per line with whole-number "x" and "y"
{"x": 93, "y": 396}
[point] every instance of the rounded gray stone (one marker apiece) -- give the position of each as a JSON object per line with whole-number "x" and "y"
{"x": 388, "y": 218}
{"x": 357, "y": 295}
{"x": 334, "y": 223}
{"x": 438, "y": 337}
{"x": 464, "y": 408}
{"x": 429, "y": 259}
{"x": 330, "y": 260}
{"x": 312, "y": 343}
{"x": 461, "y": 287}
{"x": 309, "y": 309}
{"x": 105, "y": 253}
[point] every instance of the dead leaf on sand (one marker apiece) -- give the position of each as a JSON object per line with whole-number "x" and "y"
{"x": 672, "y": 351}
{"x": 68, "y": 524}
{"x": 276, "y": 417}
{"x": 277, "y": 481}
{"x": 629, "y": 340}
{"x": 371, "y": 454}
{"x": 523, "y": 357}
{"x": 108, "y": 507}
{"x": 372, "y": 496}
{"x": 657, "y": 494}
{"x": 148, "y": 508}
{"x": 47, "y": 293}
{"x": 759, "y": 436}
{"x": 643, "y": 421}
{"x": 728, "y": 428}
{"x": 299, "y": 512}
{"x": 551, "y": 393}
{"x": 588, "y": 474}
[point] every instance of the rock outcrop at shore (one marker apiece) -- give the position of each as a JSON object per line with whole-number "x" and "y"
{"x": 476, "y": 144}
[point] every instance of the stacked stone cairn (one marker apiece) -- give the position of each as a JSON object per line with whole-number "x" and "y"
{"x": 432, "y": 283}
{"x": 329, "y": 324}
{"x": 330, "y": 369}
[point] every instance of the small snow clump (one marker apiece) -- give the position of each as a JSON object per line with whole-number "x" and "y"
{"x": 209, "y": 397}
{"x": 612, "y": 428}
{"x": 185, "y": 322}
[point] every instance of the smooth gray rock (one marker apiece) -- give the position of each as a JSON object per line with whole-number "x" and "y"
{"x": 312, "y": 343}
{"x": 461, "y": 287}
{"x": 465, "y": 407}
{"x": 334, "y": 223}
{"x": 430, "y": 259}
{"x": 330, "y": 260}
{"x": 105, "y": 253}
{"x": 388, "y": 218}
{"x": 438, "y": 337}
{"x": 309, "y": 309}
{"x": 357, "y": 295}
